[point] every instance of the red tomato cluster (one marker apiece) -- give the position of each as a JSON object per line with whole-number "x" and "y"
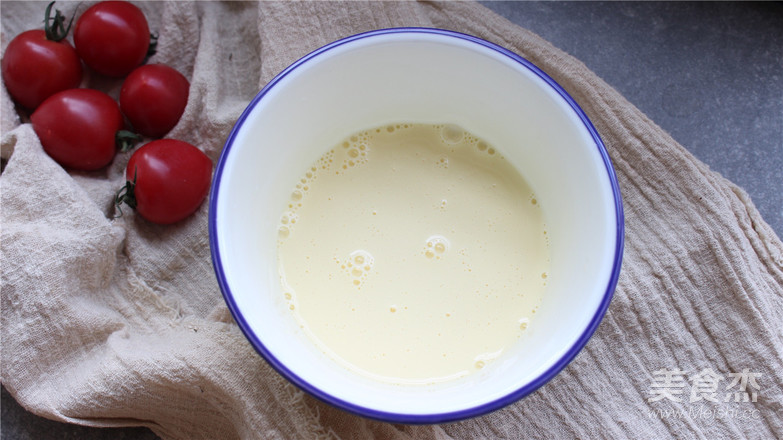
{"x": 81, "y": 128}
{"x": 112, "y": 37}
{"x": 167, "y": 180}
{"x": 39, "y": 63}
{"x": 77, "y": 128}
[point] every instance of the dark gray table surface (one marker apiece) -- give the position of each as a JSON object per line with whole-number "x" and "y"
{"x": 711, "y": 74}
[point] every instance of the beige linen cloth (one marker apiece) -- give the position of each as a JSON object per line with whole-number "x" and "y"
{"x": 118, "y": 322}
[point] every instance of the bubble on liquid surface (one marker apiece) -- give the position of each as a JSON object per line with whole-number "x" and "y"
{"x": 360, "y": 257}
{"x": 436, "y": 246}
{"x": 287, "y": 221}
{"x": 353, "y": 152}
{"x": 483, "y": 359}
{"x": 357, "y": 266}
{"x": 452, "y": 134}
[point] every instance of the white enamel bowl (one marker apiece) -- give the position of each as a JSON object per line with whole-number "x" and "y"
{"x": 428, "y": 76}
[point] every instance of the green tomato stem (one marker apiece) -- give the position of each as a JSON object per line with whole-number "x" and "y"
{"x": 126, "y": 195}
{"x": 56, "y": 31}
{"x": 153, "y": 47}
{"x": 126, "y": 140}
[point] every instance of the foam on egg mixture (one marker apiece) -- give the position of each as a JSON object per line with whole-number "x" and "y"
{"x": 413, "y": 253}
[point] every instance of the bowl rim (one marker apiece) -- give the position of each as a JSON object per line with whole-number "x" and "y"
{"x": 436, "y": 417}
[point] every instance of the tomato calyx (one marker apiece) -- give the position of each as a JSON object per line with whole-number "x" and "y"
{"x": 126, "y": 140}
{"x": 126, "y": 195}
{"x": 153, "y": 48}
{"x": 56, "y": 31}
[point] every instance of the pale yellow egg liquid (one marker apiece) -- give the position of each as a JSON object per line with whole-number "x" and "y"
{"x": 413, "y": 253}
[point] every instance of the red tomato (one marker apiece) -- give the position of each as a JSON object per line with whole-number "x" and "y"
{"x": 112, "y": 37}
{"x": 77, "y": 128}
{"x": 153, "y": 97}
{"x": 35, "y": 67}
{"x": 167, "y": 180}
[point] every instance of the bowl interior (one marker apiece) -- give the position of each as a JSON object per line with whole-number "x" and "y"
{"x": 422, "y": 76}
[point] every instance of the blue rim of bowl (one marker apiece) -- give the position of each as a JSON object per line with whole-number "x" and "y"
{"x": 435, "y": 417}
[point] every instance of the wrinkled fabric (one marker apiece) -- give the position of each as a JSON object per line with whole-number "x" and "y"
{"x": 118, "y": 322}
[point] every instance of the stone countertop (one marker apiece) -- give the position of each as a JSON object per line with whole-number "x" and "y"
{"x": 711, "y": 74}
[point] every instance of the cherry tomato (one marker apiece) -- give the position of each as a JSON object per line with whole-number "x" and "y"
{"x": 153, "y": 97}
{"x": 78, "y": 127}
{"x": 40, "y": 63}
{"x": 112, "y": 37}
{"x": 167, "y": 180}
